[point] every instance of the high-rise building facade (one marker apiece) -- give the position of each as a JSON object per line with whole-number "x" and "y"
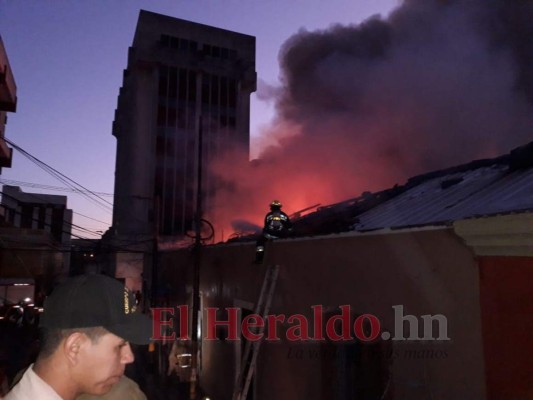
{"x": 180, "y": 75}
{"x": 8, "y": 103}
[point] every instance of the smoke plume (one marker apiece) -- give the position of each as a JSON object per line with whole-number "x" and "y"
{"x": 362, "y": 107}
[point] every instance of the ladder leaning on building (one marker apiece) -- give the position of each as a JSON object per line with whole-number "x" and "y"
{"x": 251, "y": 349}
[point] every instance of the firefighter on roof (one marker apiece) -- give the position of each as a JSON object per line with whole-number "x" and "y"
{"x": 277, "y": 225}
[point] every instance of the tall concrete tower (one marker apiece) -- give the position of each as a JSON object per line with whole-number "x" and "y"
{"x": 179, "y": 73}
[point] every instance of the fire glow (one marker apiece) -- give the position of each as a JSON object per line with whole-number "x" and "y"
{"x": 363, "y": 107}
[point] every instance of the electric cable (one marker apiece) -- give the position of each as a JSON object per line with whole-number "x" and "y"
{"x": 65, "y": 179}
{"x": 46, "y": 187}
{"x": 35, "y": 219}
{"x": 121, "y": 248}
{"x": 102, "y": 203}
{"x": 40, "y": 198}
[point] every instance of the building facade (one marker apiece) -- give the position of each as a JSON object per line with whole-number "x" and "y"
{"x": 35, "y": 232}
{"x": 46, "y": 212}
{"x": 443, "y": 264}
{"x": 8, "y": 103}
{"x": 416, "y": 272}
{"x": 182, "y": 78}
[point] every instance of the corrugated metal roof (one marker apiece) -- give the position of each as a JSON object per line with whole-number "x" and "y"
{"x": 484, "y": 187}
{"x": 488, "y": 190}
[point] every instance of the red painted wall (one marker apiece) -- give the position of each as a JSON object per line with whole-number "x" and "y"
{"x": 506, "y": 290}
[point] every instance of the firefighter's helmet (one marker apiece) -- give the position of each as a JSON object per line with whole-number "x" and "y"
{"x": 276, "y": 204}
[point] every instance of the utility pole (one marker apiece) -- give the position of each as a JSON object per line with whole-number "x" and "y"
{"x": 154, "y": 287}
{"x": 195, "y": 335}
{"x": 155, "y": 249}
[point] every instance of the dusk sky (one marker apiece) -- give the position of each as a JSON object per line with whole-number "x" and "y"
{"x": 68, "y": 57}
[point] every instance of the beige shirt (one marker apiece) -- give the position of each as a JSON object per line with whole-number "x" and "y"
{"x": 31, "y": 387}
{"x": 122, "y": 390}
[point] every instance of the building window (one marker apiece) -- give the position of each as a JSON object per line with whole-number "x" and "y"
{"x": 219, "y": 52}
{"x": 232, "y": 93}
{"x": 205, "y": 88}
{"x": 165, "y": 40}
{"x": 57, "y": 223}
{"x": 177, "y": 43}
{"x": 161, "y": 115}
{"x": 214, "y": 90}
{"x": 191, "y": 83}
{"x": 163, "y": 81}
{"x": 173, "y": 83}
{"x": 42, "y": 217}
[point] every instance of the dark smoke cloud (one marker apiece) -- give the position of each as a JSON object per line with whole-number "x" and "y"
{"x": 361, "y": 107}
{"x": 267, "y": 92}
{"x": 438, "y": 83}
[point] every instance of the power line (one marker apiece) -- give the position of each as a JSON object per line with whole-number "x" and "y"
{"x": 102, "y": 203}
{"x": 44, "y": 223}
{"x": 72, "y": 225}
{"x": 94, "y": 219}
{"x": 48, "y": 187}
{"x": 86, "y": 231}
{"x": 39, "y": 197}
{"x": 115, "y": 248}
{"x": 84, "y": 191}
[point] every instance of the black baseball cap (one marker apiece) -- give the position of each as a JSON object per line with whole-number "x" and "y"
{"x": 88, "y": 301}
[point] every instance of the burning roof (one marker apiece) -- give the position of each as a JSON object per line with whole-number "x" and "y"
{"x": 500, "y": 185}
{"x": 362, "y": 106}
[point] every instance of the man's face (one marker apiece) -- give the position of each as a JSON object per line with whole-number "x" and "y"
{"x": 102, "y": 363}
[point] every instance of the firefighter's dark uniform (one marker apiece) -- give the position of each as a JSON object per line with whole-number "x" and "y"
{"x": 277, "y": 225}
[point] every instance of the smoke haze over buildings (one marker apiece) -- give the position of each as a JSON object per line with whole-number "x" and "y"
{"x": 362, "y": 107}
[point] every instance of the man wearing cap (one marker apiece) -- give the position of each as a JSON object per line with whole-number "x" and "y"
{"x": 87, "y": 326}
